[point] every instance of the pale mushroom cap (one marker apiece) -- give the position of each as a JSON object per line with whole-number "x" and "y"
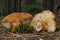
{"x": 46, "y": 18}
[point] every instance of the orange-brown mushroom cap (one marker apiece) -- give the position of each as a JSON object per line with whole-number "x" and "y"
{"x": 16, "y": 18}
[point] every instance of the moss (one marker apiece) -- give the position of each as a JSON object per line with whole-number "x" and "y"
{"x": 24, "y": 28}
{"x": 58, "y": 28}
{"x": 45, "y": 35}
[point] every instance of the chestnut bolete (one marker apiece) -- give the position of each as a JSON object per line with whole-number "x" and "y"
{"x": 15, "y": 19}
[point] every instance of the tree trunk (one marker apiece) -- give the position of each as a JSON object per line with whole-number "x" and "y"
{"x": 45, "y": 3}
{"x": 17, "y": 5}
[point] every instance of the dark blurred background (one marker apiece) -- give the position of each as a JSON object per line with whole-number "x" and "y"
{"x": 9, "y": 6}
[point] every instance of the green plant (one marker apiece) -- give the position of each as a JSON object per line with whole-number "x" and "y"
{"x": 7, "y": 29}
{"x": 33, "y": 9}
{"x": 24, "y": 28}
{"x": 45, "y": 35}
{"x": 1, "y": 17}
{"x": 58, "y": 28}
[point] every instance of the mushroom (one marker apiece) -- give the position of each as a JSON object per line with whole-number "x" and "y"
{"x": 46, "y": 21}
{"x": 14, "y": 19}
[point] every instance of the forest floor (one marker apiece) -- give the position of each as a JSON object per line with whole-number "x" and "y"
{"x": 4, "y": 35}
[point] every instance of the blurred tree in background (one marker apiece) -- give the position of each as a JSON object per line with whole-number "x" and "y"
{"x": 9, "y": 6}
